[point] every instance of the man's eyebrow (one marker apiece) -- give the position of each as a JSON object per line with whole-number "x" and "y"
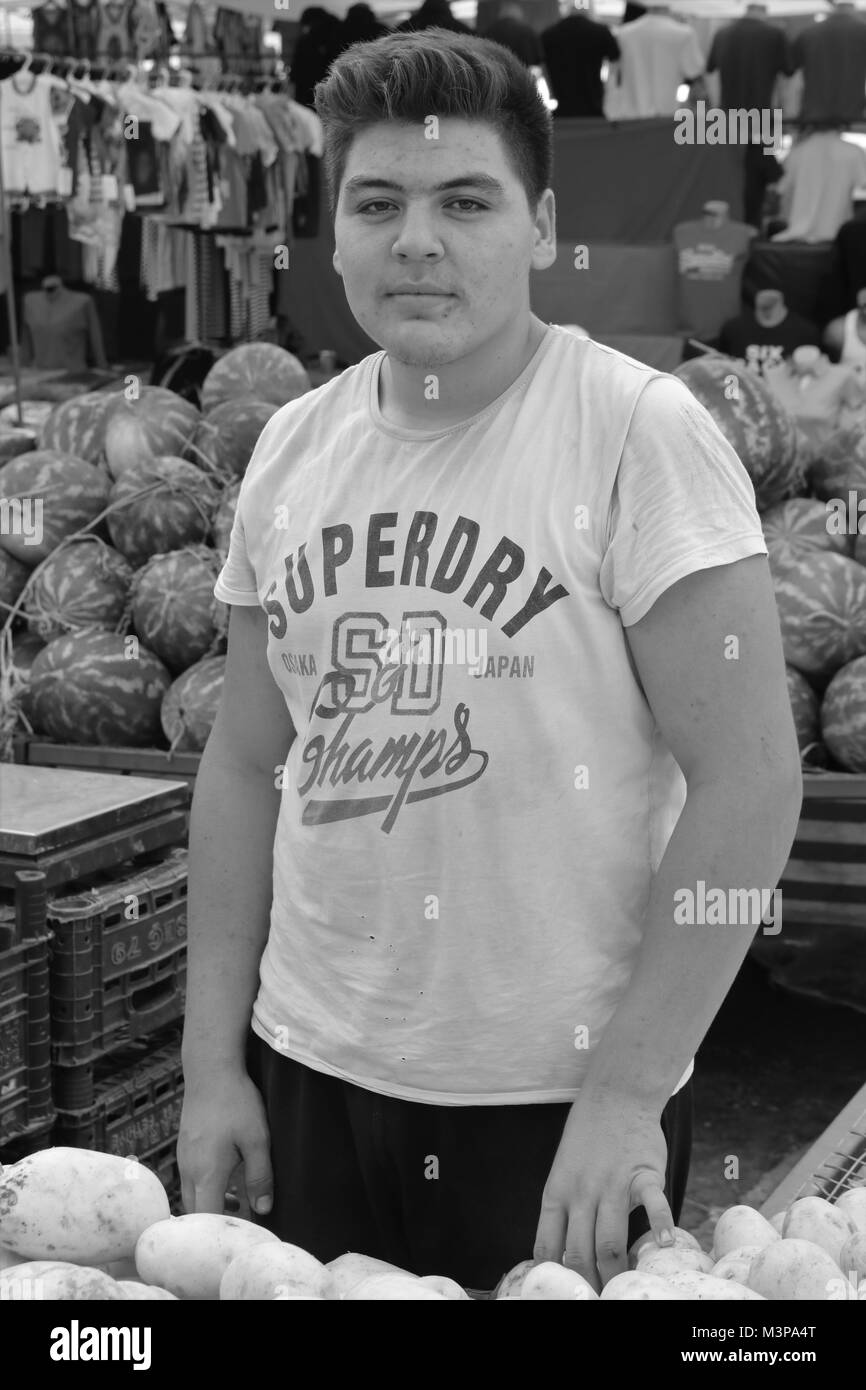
{"x": 484, "y": 181}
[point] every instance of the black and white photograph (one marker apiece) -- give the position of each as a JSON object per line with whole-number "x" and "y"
{"x": 432, "y": 671}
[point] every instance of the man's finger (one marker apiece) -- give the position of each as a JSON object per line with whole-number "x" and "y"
{"x": 580, "y": 1243}
{"x": 611, "y": 1236}
{"x": 550, "y": 1237}
{"x": 258, "y": 1175}
{"x": 210, "y": 1190}
{"x": 649, "y": 1193}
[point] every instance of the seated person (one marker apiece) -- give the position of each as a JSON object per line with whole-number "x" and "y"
{"x": 768, "y": 333}
{"x": 845, "y": 337}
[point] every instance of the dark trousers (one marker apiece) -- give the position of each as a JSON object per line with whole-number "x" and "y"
{"x": 452, "y": 1190}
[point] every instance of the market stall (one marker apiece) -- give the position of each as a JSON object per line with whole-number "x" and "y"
{"x": 205, "y": 229}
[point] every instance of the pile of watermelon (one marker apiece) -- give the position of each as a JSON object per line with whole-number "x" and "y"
{"x": 110, "y": 633}
{"x": 812, "y": 502}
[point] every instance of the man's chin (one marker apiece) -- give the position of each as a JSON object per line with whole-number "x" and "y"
{"x": 419, "y": 344}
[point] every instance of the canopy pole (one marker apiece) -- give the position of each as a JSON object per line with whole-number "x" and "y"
{"x": 11, "y": 317}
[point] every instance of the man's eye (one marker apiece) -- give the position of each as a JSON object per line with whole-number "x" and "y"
{"x": 377, "y": 205}
{"x": 474, "y": 204}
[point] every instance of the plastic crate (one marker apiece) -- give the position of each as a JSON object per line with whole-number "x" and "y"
{"x": 25, "y": 1055}
{"x": 138, "y": 1096}
{"x": 137, "y": 1101}
{"x": 824, "y": 881}
{"x": 118, "y": 965}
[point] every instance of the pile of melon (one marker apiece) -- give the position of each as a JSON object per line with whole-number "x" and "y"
{"x": 76, "y": 1224}
{"x": 111, "y": 633}
{"x": 812, "y": 503}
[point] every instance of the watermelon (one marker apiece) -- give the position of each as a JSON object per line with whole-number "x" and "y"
{"x": 224, "y": 518}
{"x": 804, "y": 707}
{"x": 97, "y": 688}
{"x": 13, "y": 576}
{"x": 756, "y": 426}
{"x": 254, "y": 371}
{"x": 71, "y": 493}
{"x": 26, "y": 646}
{"x": 840, "y": 466}
{"x": 226, "y": 436}
{"x": 84, "y": 584}
{"x": 821, "y": 600}
{"x": 174, "y": 610}
{"x": 190, "y": 705}
{"x": 843, "y": 716}
{"x": 158, "y": 422}
{"x": 78, "y": 425}
{"x": 799, "y": 525}
{"x": 174, "y": 513}
{"x": 14, "y": 442}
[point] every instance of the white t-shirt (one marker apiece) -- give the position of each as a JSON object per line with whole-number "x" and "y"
{"x": 657, "y": 55}
{"x": 817, "y": 187}
{"x": 452, "y": 905}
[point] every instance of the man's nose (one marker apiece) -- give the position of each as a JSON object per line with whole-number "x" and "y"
{"x": 417, "y": 237}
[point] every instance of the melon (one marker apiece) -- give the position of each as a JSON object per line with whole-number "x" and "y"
{"x": 840, "y": 465}
{"x": 843, "y": 716}
{"x": 25, "y": 649}
{"x": 821, "y": 601}
{"x": 13, "y": 576}
{"x": 224, "y": 518}
{"x": 174, "y": 511}
{"x": 798, "y": 525}
{"x": 14, "y": 442}
{"x": 78, "y": 425}
{"x": 254, "y": 371}
{"x": 58, "y": 494}
{"x": 804, "y": 707}
{"x": 97, "y": 688}
{"x": 190, "y": 705}
{"x": 157, "y": 422}
{"x": 226, "y": 437}
{"x": 174, "y": 610}
{"x": 756, "y": 426}
{"x": 84, "y": 584}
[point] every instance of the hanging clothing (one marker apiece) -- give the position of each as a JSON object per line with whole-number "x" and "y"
{"x": 51, "y": 29}
{"x": 114, "y": 40}
{"x": 710, "y": 263}
{"x": 61, "y": 331}
{"x": 574, "y": 50}
{"x": 84, "y": 23}
{"x": 817, "y": 188}
{"x": 148, "y": 38}
{"x": 749, "y": 55}
{"x": 832, "y": 55}
{"x": 657, "y": 55}
{"x": 29, "y": 138}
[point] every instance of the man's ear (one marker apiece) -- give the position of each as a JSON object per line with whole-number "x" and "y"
{"x": 336, "y": 262}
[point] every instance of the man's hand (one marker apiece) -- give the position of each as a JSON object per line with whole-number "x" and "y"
{"x": 611, "y": 1158}
{"x": 223, "y": 1123}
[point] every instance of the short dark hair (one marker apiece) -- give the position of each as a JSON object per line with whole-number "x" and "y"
{"x": 408, "y": 77}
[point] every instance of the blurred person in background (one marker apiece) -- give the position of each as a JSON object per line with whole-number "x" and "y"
{"x": 362, "y": 26}
{"x": 320, "y": 41}
{"x": 433, "y": 14}
{"x": 512, "y": 31}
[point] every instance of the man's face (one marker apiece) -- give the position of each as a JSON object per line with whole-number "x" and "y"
{"x": 435, "y": 238}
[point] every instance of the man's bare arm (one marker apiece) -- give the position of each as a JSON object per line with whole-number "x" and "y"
{"x": 728, "y": 723}
{"x": 234, "y": 816}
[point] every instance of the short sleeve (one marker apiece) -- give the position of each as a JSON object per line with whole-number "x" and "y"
{"x": 236, "y": 581}
{"x": 682, "y": 501}
{"x": 693, "y": 58}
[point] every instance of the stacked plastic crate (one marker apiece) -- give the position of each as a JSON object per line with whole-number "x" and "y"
{"x": 117, "y": 986}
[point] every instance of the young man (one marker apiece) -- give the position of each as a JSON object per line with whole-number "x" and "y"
{"x": 504, "y": 680}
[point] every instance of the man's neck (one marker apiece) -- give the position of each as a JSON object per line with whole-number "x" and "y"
{"x": 434, "y": 397}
